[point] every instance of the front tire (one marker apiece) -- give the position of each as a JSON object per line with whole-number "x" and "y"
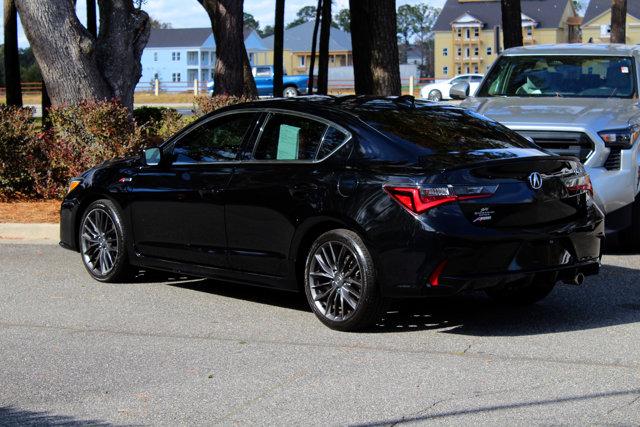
{"x": 523, "y": 294}
{"x": 435, "y": 95}
{"x": 103, "y": 242}
{"x": 340, "y": 282}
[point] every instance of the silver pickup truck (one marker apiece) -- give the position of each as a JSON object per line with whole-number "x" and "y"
{"x": 579, "y": 100}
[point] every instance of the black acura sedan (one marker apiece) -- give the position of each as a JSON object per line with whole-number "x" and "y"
{"x": 356, "y": 200}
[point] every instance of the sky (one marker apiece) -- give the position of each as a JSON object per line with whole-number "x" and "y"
{"x": 189, "y": 13}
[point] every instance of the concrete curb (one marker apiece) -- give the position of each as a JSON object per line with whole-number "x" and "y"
{"x": 37, "y": 233}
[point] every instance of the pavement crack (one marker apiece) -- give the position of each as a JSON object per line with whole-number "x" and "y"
{"x": 626, "y": 405}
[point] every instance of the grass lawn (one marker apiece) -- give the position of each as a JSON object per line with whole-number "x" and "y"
{"x": 41, "y": 211}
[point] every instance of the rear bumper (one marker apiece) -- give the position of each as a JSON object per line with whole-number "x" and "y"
{"x": 478, "y": 258}
{"x": 450, "y": 285}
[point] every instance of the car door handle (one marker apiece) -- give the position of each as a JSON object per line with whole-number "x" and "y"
{"x": 304, "y": 187}
{"x": 208, "y": 192}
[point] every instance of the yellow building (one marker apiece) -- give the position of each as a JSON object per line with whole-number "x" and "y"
{"x": 468, "y": 38}
{"x": 297, "y": 49}
{"x": 597, "y": 22}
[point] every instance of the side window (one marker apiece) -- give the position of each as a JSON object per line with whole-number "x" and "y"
{"x": 289, "y": 138}
{"x": 333, "y": 138}
{"x": 263, "y": 72}
{"x": 476, "y": 79}
{"x": 216, "y": 141}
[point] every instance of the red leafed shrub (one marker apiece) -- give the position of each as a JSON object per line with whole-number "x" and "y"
{"x": 80, "y": 137}
{"x": 17, "y": 136}
{"x": 205, "y": 104}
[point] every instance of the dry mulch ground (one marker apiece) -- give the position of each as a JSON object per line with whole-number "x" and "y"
{"x": 42, "y": 211}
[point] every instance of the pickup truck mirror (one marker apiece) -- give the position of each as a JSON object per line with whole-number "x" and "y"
{"x": 459, "y": 91}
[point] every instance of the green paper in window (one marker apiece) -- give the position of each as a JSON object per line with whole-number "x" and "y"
{"x": 288, "y": 143}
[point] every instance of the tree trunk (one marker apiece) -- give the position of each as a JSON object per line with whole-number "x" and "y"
{"x": 92, "y": 24}
{"x": 75, "y": 65}
{"x": 278, "y": 49}
{"x": 376, "y": 65}
{"x": 46, "y": 104}
{"x": 124, "y": 32}
{"x": 323, "y": 63}
{"x": 11, "y": 55}
{"x": 314, "y": 40}
{"x": 232, "y": 75}
{"x": 619, "y": 21}
{"x": 511, "y": 23}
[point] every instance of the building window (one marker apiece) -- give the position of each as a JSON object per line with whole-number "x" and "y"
{"x": 332, "y": 59}
{"x": 156, "y": 76}
{"x": 251, "y": 58}
{"x": 476, "y": 51}
{"x": 476, "y": 32}
{"x": 489, "y": 50}
{"x": 459, "y": 33}
{"x": 176, "y": 77}
{"x": 468, "y": 69}
{"x": 467, "y": 52}
{"x": 155, "y": 56}
{"x": 459, "y": 70}
{"x": 459, "y": 51}
{"x": 302, "y": 60}
{"x": 529, "y": 31}
{"x": 445, "y": 70}
{"x": 475, "y": 69}
{"x": 605, "y": 30}
{"x": 445, "y": 51}
{"x": 175, "y": 56}
{"x": 468, "y": 34}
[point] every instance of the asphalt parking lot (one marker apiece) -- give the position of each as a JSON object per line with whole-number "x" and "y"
{"x": 170, "y": 351}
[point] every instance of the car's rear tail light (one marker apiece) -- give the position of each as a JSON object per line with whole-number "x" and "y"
{"x": 420, "y": 199}
{"x": 581, "y": 184}
{"x": 434, "y": 278}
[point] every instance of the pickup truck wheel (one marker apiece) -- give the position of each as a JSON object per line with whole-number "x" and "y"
{"x": 290, "y": 92}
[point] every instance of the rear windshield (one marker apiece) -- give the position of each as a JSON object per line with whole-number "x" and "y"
{"x": 443, "y": 130}
{"x": 562, "y": 76}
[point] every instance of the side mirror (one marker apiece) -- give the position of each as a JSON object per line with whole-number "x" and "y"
{"x": 459, "y": 91}
{"x": 152, "y": 156}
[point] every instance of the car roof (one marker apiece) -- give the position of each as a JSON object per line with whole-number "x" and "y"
{"x": 337, "y": 108}
{"x": 574, "y": 49}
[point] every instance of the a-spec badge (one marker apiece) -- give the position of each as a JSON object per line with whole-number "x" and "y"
{"x": 484, "y": 214}
{"x": 535, "y": 181}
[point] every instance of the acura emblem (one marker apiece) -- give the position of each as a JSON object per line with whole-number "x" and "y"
{"x": 535, "y": 180}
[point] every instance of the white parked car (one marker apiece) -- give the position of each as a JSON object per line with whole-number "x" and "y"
{"x": 440, "y": 90}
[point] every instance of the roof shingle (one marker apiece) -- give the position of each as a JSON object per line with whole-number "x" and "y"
{"x": 547, "y": 13}
{"x": 598, "y": 7}
{"x": 183, "y": 37}
{"x": 298, "y": 39}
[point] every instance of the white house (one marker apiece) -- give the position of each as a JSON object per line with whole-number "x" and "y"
{"x": 178, "y": 56}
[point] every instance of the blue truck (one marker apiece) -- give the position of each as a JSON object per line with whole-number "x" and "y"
{"x": 263, "y": 75}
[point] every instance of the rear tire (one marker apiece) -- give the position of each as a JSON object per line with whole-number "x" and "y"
{"x": 340, "y": 282}
{"x": 524, "y": 294}
{"x": 103, "y": 242}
